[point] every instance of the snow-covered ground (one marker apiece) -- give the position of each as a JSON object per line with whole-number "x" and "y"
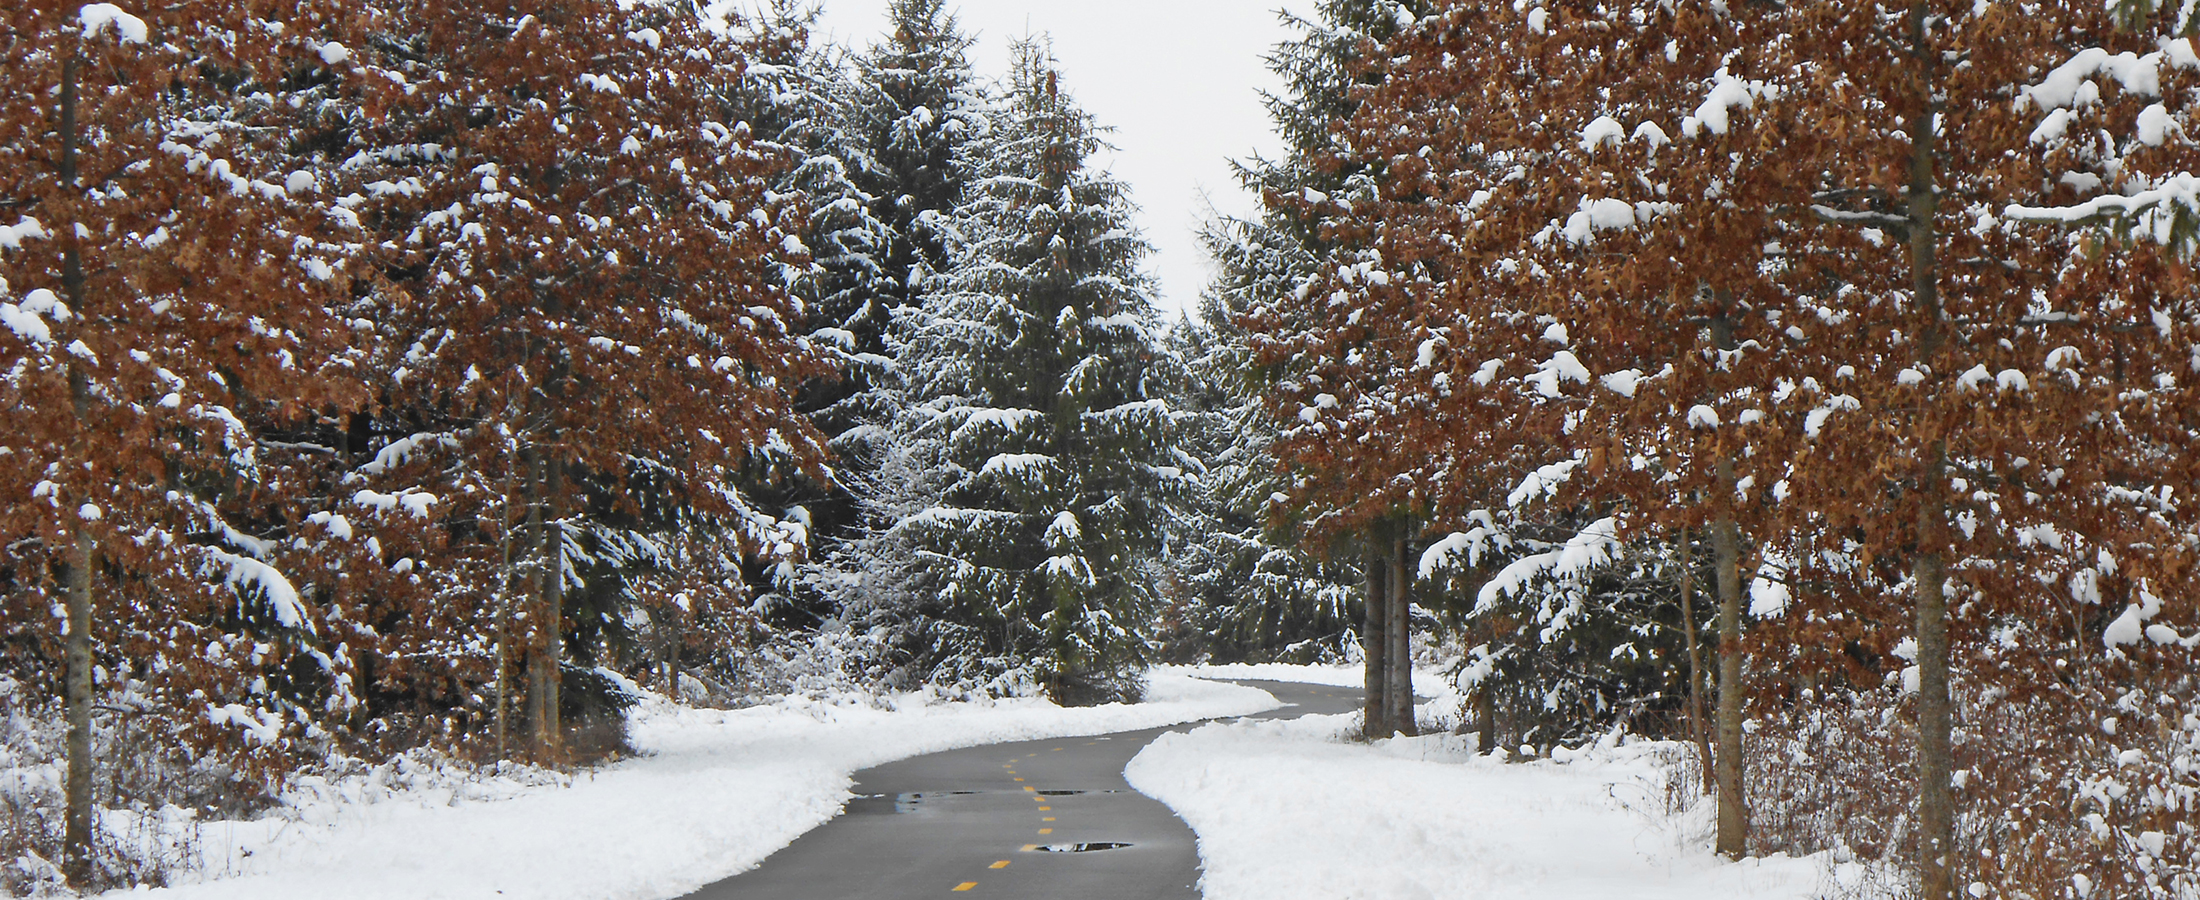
{"x": 717, "y": 792}
{"x": 1426, "y": 682}
{"x": 1290, "y": 809}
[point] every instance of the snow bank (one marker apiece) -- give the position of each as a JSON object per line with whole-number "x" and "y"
{"x": 718, "y": 792}
{"x": 1288, "y": 809}
{"x": 1426, "y": 682}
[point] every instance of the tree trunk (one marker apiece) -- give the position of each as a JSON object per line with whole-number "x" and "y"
{"x": 1695, "y": 664}
{"x": 1485, "y": 707}
{"x": 504, "y": 610}
{"x": 77, "y": 826}
{"x": 76, "y": 831}
{"x": 543, "y": 670}
{"x": 1936, "y": 792}
{"x": 1400, "y": 682}
{"x": 1726, "y": 550}
{"x": 1375, "y": 639}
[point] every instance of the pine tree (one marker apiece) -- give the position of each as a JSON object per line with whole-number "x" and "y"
{"x": 1267, "y": 265}
{"x": 1235, "y": 593}
{"x": 1037, "y": 453}
{"x": 918, "y": 102}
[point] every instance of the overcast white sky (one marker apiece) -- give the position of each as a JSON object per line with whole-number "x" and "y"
{"x": 1176, "y": 79}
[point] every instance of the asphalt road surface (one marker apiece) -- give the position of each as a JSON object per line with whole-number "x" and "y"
{"x": 1027, "y": 820}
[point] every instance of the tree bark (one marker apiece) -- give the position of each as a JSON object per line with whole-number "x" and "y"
{"x": 544, "y": 671}
{"x": 1733, "y": 840}
{"x": 77, "y": 826}
{"x": 1695, "y": 664}
{"x": 1400, "y": 682}
{"x": 1375, "y": 638}
{"x": 504, "y": 611}
{"x": 1935, "y": 793}
{"x": 1485, "y": 707}
{"x": 76, "y": 837}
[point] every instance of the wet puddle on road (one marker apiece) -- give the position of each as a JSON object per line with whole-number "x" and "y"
{"x": 915, "y": 802}
{"x": 1086, "y": 847}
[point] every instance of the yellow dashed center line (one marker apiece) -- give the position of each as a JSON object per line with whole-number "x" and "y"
{"x": 1046, "y": 819}
{"x": 1028, "y": 787}
{"x": 1027, "y": 848}
{"x": 1003, "y": 864}
{"x": 1046, "y": 809}
{"x": 967, "y": 885}
{"x": 1019, "y": 779}
{"x": 1046, "y": 831}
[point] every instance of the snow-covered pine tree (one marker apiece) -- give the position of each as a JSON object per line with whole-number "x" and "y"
{"x": 1035, "y": 462}
{"x": 1266, "y": 262}
{"x": 899, "y": 111}
{"x": 1237, "y": 590}
{"x": 912, "y": 102}
{"x": 919, "y": 102}
{"x": 802, "y": 99}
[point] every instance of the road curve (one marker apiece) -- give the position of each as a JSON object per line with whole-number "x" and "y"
{"x": 1027, "y": 819}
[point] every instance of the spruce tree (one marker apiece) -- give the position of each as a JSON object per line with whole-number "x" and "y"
{"x": 1264, "y": 263}
{"x": 1035, "y": 461}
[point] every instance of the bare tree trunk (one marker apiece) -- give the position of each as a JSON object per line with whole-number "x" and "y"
{"x": 1485, "y": 707}
{"x": 544, "y": 669}
{"x": 1400, "y": 681}
{"x": 1936, "y": 802}
{"x": 504, "y": 610}
{"x": 531, "y": 457}
{"x": 1733, "y": 840}
{"x": 1695, "y": 663}
{"x": 1375, "y": 638}
{"x": 1936, "y": 793}
{"x": 76, "y": 836}
{"x": 77, "y": 826}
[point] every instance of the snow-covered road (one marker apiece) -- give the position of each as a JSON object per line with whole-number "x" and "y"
{"x": 719, "y": 791}
{"x": 1282, "y": 809}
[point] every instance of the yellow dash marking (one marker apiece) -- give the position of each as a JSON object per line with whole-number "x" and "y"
{"x": 1057, "y": 750}
{"x": 967, "y": 885}
{"x": 1019, "y": 779}
{"x": 1027, "y": 848}
{"x": 1046, "y": 831}
{"x": 1046, "y": 809}
{"x": 1046, "y": 819}
{"x": 1003, "y": 864}
{"x": 1028, "y": 787}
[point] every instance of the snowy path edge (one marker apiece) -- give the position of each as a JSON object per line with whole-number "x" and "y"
{"x": 718, "y": 792}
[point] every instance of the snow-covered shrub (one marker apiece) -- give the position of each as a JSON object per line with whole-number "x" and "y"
{"x": 2085, "y": 785}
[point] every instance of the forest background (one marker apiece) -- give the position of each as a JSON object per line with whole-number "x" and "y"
{"x": 1806, "y": 382}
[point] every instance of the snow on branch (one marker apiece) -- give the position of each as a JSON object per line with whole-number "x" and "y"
{"x": 28, "y": 318}
{"x": 414, "y": 501}
{"x": 246, "y": 573}
{"x": 98, "y": 17}
{"x": 1466, "y": 547}
{"x": 2072, "y": 83}
{"x": 2154, "y": 214}
{"x": 1542, "y": 482}
{"x": 1595, "y": 547}
{"x": 26, "y": 228}
{"x": 1727, "y": 92}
